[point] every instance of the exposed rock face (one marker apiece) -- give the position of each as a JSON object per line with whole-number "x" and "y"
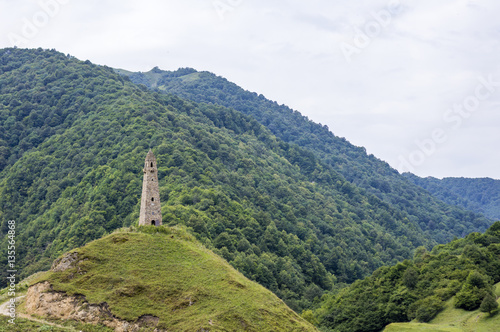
{"x": 66, "y": 262}
{"x": 42, "y": 300}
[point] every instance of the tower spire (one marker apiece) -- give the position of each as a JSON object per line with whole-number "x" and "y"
{"x": 150, "y": 201}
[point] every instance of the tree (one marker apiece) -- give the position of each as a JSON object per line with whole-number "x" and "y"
{"x": 224, "y": 240}
{"x": 489, "y": 304}
{"x": 474, "y": 289}
{"x": 310, "y": 317}
{"x": 410, "y": 278}
{"x": 429, "y": 308}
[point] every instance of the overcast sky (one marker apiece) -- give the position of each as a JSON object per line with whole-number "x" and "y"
{"x": 415, "y": 82}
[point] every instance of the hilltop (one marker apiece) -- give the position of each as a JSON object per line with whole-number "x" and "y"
{"x": 158, "y": 278}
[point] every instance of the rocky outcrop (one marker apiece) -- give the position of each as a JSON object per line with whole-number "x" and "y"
{"x": 65, "y": 262}
{"x": 42, "y": 300}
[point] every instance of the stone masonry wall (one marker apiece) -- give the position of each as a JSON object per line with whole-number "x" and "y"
{"x": 150, "y": 201}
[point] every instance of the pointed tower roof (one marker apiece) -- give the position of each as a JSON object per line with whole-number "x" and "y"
{"x": 150, "y": 155}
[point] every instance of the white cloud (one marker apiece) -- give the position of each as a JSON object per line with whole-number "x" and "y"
{"x": 394, "y": 92}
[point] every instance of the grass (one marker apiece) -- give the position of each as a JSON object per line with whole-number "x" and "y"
{"x": 123, "y": 71}
{"x": 21, "y": 287}
{"x": 166, "y": 273}
{"x": 23, "y": 325}
{"x": 186, "y": 78}
{"x": 417, "y": 327}
{"x": 190, "y": 77}
{"x": 454, "y": 320}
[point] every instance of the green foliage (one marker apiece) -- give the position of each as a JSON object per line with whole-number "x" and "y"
{"x": 309, "y": 316}
{"x": 417, "y": 289}
{"x": 451, "y": 319}
{"x": 410, "y": 278}
{"x": 143, "y": 272}
{"x": 428, "y": 308}
{"x": 478, "y": 195}
{"x": 474, "y": 290}
{"x": 439, "y": 221}
{"x": 488, "y": 304}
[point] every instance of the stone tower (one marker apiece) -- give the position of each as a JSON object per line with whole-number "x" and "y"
{"x": 150, "y": 201}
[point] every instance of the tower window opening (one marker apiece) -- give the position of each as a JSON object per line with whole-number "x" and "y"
{"x": 153, "y": 222}
{"x": 152, "y": 199}
{"x": 151, "y": 164}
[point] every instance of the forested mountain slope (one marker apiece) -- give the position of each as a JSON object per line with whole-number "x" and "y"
{"x": 465, "y": 269}
{"x": 74, "y": 137}
{"x": 441, "y": 222}
{"x": 478, "y": 195}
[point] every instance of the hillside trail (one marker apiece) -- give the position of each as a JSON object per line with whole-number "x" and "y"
{"x": 4, "y": 310}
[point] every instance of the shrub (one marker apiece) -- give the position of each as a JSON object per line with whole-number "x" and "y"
{"x": 489, "y": 304}
{"x": 475, "y": 288}
{"x": 429, "y": 308}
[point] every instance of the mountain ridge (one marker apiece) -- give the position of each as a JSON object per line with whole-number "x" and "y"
{"x": 481, "y": 195}
{"x": 365, "y": 171}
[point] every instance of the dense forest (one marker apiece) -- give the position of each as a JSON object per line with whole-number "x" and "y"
{"x": 417, "y": 289}
{"x": 478, "y": 195}
{"x": 73, "y": 138}
{"x": 372, "y": 175}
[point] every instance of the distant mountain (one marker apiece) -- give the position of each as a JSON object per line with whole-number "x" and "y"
{"x": 158, "y": 279}
{"x": 439, "y": 221}
{"x": 480, "y": 195}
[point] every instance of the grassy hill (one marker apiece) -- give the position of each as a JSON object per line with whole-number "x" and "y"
{"x": 166, "y": 273}
{"x": 478, "y": 195}
{"x": 454, "y": 320}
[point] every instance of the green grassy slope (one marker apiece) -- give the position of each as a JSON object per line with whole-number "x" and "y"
{"x": 419, "y": 327}
{"x": 478, "y": 195}
{"x": 454, "y": 320}
{"x": 166, "y": 273}
{"x": 29, "y": 325}
{"x": 441, "y": 222}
